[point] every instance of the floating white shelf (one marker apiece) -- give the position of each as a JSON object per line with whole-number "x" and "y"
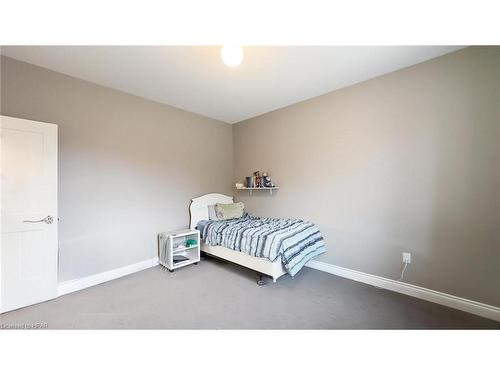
{"x": 251, "y": 189}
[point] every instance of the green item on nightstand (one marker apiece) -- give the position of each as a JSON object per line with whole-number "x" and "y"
{"x": 190, "y": 243}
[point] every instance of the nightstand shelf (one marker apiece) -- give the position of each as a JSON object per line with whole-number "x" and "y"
{"x": 172, "y": 244}
{"x": 183, "y": 248}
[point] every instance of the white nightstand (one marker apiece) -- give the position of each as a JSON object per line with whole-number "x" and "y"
{"x": 173, "y": 244}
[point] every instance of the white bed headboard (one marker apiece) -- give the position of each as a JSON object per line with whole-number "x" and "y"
{"x": 199, "y": 206}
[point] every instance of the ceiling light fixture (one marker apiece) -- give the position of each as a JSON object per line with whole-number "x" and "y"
{"x": 232, "y": 56}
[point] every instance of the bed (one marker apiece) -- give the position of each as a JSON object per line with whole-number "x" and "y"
{"x": 299, "y": 241}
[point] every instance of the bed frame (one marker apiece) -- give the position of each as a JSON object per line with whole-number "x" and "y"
{"x": 199, "y": 211}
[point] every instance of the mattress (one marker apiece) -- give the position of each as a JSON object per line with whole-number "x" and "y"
{"x": 293, "y": 241}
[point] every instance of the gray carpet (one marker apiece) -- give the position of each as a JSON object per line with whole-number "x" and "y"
{"x": 219, "y": 295}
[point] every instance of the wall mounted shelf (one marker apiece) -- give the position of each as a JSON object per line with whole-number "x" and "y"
{"x": 250, "y": 190}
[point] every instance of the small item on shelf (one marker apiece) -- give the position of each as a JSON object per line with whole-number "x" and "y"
{"x": 267, "y": 180}
{"x": 177, "y": 242}
{"x": 257, "y": 178}
{"x": 190, "y": 242}
{"x": 239, "y": 185}
{"x": 179, "y": 258}
{"x": 249, "y": 182}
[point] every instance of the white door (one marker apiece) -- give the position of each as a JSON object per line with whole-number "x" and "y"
{"x": 28, "y": 256}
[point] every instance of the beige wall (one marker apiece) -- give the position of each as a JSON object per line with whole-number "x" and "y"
{"x": 409, "y": 161}
{"x": 128, "y": 167}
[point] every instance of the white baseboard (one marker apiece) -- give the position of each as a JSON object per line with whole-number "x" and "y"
{"x": 71, "y": 286}
{"x": 473, "y": 307}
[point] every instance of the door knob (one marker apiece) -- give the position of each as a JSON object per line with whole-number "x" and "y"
{"x": 47, "y": 220}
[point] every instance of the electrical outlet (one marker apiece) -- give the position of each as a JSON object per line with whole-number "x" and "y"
{"x": 407, "y": 258}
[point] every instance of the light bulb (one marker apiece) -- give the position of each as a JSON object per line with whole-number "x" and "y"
{"x": 232, "y": 56}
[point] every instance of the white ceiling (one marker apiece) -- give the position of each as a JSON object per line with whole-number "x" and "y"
{"x": 195, "y": 79}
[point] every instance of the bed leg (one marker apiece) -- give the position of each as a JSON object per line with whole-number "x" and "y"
{"x": 260, "y": 282}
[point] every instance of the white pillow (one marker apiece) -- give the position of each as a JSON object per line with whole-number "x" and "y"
{"x": 212, "y": 215}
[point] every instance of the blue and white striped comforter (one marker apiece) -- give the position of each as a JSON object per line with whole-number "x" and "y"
{"x": 294, "y": 241}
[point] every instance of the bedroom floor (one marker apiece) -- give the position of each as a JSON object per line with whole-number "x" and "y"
{"x": 219, "y": 295}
